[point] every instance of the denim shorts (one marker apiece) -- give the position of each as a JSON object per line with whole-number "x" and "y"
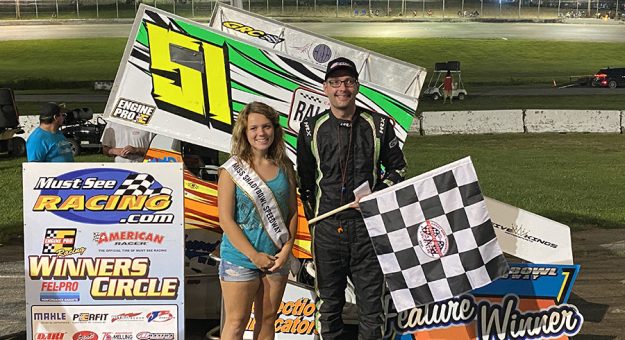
{"x": 230, "y": 272}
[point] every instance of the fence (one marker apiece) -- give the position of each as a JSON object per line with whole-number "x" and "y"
{"x": 418, "y": 9}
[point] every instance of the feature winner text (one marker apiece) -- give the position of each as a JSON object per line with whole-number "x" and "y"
{"x": 120, "y": 278}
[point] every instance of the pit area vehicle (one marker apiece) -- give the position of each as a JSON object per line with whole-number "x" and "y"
{"x": 10, "y": 141}
{"x": 609, "y": 77}
{"x": 83, "y": 131}
{"x": 435, "y": 86}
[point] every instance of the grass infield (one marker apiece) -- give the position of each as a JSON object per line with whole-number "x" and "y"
{"x": 575, "y": 179}
{"x": 76, "y": 63}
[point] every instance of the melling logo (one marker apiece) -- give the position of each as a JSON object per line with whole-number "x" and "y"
{"x": 85, "y": 335}
{"x": 104, "y": 196}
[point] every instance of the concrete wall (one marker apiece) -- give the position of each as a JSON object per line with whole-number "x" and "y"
{"x": 572, "y": 121}
{"x": 518, "y": 121}
{"x": 471, "y": 122}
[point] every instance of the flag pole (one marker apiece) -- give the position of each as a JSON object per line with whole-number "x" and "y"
{"x": 330, "y": 213}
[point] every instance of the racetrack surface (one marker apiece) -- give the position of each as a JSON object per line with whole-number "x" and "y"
{"x": 462, "y": 30}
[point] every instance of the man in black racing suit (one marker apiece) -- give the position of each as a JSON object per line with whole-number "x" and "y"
{"x": 337, "y": 151}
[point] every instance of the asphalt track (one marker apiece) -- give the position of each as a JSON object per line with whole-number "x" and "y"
{"x": 596, "y": 32}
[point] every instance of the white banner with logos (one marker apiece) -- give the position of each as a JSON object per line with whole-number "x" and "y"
{"x": 529, "y": 236}
{"x": 104, "y": 250}
{"x": 375, "y": 68}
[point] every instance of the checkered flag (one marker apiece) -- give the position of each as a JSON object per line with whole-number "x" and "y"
{"x": 433, "y": 236}
{"x": 139, "y": 184}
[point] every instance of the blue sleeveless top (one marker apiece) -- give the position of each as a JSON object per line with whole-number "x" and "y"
{"x": 246, "y": 216}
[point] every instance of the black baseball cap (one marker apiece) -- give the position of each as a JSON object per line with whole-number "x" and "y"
{"x": 341, "y": 63}
{"x": 49, "y": 110}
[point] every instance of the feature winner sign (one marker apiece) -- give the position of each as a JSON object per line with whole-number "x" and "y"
{"x": 187, "y": 81}
{"x": 529, "y": 303}
{"x": 103, "y": 246}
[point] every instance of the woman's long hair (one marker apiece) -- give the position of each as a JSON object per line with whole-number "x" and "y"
{"x": 241, "y": 146}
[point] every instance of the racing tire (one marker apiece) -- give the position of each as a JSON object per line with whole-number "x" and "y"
{"x": 612, "y": 84}
{"x": 461, "y": 96}
{"x": 75, "y": 147}
{"x": 17, "y": 147}
{"x": 436, "y": 96}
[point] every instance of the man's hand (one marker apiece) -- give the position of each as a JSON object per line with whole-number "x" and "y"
{"x": 128, "y": 150}
{"x": 360, "y": 192}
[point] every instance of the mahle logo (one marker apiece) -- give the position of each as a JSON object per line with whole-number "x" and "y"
{"x": 104, "y": 196}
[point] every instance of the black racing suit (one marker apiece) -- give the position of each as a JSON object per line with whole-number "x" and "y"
{"x": 333, "y": 158}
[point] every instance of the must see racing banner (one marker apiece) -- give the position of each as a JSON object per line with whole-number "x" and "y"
{"x": 103, "y": 248}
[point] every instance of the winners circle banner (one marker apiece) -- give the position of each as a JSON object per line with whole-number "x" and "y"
{"x": 104, "y": 247}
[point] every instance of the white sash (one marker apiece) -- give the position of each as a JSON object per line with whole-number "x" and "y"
{"x": 259, "y": 193}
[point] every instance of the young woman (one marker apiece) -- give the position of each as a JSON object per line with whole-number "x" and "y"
{"x": 258, "y": 214}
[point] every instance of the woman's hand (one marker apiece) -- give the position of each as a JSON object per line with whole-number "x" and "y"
{"x": 281, "y": 259}
{"x": 263, "y": 261}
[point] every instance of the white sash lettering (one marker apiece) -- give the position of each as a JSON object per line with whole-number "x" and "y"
{"x": 262, "y": 197}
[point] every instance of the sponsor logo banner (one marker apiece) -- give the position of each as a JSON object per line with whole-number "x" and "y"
{"x": 375, "y": 69}
{"x": 103, "y": 235}
{"x": 296, "y": 315}
{"x": 50, "y": 335}
{"x": 104, "y": 196}
{"x": 529, "y": 236}
{"x": 306, "y": 103}
{"x": 529, "y": 303}
{"x": 252, "y": 32}
{"x": 105, "y": 322}
{"x": 133, "y": 111}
